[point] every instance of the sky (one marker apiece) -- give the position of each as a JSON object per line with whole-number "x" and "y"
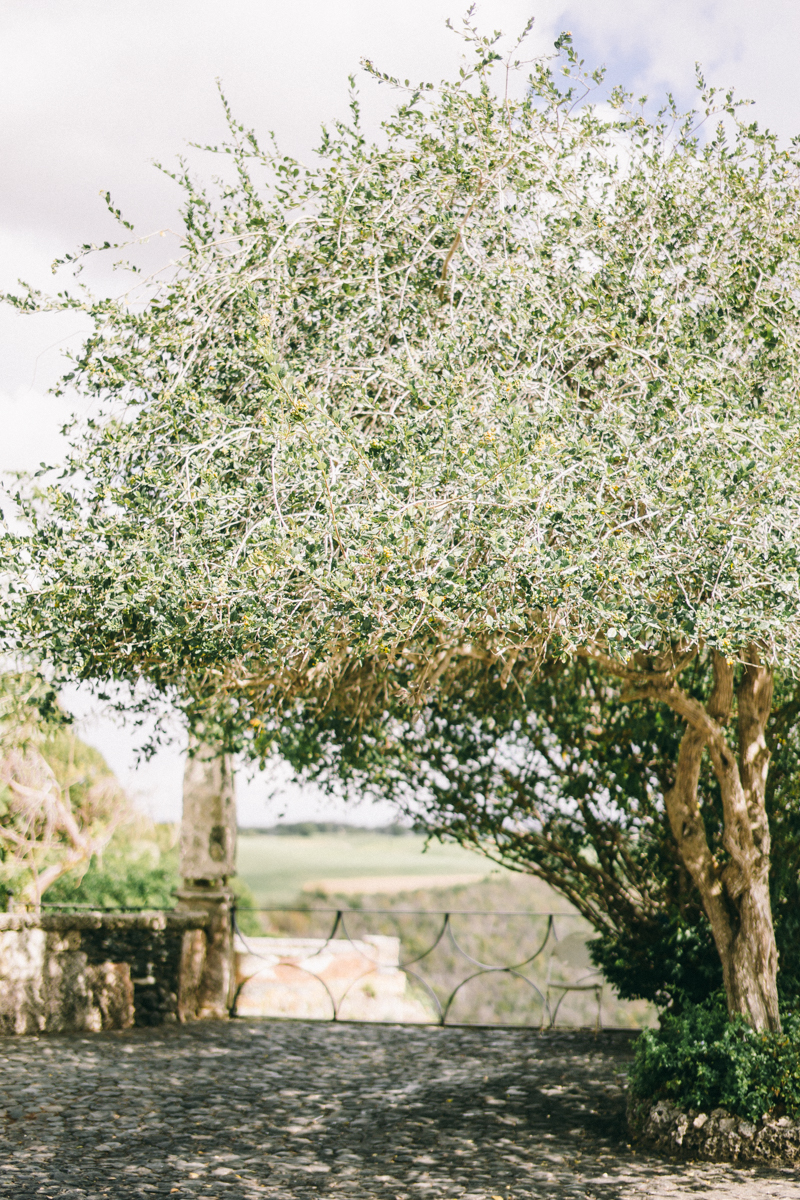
{"x": 94, "y": 91}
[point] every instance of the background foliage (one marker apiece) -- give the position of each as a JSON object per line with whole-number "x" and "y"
{"x": 68, "y": 833}
{"x": 59, "y": 802}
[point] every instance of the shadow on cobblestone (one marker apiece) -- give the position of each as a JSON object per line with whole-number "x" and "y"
{"x": 302, "y": 1110}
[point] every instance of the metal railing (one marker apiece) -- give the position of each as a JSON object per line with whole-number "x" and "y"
{"x": 420, "y": 967}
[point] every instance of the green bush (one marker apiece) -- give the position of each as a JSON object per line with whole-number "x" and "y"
{"x": 701, "y": 1059}
{"x": 140, "y": 869}
{"x": 668, "y": 958}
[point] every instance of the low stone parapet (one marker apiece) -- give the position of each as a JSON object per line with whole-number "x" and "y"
{"x": 358, "y": 979}
{"x": 717, "y": 1136}
{"x": 85, "y": 972}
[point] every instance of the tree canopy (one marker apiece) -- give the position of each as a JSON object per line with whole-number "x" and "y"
{"x": 519, "y": 379}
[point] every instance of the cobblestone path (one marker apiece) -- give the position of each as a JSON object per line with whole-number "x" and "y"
{"x": 300, "y": 1110}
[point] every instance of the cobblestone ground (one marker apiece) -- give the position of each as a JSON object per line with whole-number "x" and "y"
{"x": 300, "y": 1110}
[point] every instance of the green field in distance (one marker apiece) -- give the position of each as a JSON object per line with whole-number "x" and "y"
{"x": 276, "y": 868}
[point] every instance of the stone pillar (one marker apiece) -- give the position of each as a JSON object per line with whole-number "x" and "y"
{"x": 208, "y": 853}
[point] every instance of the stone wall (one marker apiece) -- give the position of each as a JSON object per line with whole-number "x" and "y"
{"x": 320, "y": 979}
{"x": 70, "y": 973}
{"x": 718, "y": 1136}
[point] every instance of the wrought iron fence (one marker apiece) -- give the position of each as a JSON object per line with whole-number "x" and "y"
{"x": 420, "y": 967}
{"x": 474, "y": 967}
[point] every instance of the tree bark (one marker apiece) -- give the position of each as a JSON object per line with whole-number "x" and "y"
{"x": 735, "y": 895}
{"x": 755, "y": 955}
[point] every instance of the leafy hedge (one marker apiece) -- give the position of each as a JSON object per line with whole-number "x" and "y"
{"x": 701, "y": 1059}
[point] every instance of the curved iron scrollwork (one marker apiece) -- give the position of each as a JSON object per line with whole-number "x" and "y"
{"x": 432, "y": 985}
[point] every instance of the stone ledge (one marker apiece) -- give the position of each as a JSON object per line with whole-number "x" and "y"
{"x": 67, "y": 972}
{"x": 718, "y": 1136}
{"x": 59, "y": 922}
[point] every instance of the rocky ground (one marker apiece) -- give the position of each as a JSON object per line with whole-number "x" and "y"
{"x": 301, "y": 1110}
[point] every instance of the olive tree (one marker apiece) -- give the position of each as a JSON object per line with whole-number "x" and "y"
{"x": 519, "y": 381}
{"x": 565, "y": 779}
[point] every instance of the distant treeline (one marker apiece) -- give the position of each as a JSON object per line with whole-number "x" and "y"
{"x": 309, "y": 828}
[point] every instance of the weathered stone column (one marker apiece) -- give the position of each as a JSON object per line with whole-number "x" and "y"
{"x": 208, "y": 855}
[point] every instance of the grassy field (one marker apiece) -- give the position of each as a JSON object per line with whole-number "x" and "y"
{"x": 278, "y": 868}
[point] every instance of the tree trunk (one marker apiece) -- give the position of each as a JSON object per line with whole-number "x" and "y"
{"x": 735, "y": 896}
{"x": 751, "y": 974}
{"x": 755, "y": 955}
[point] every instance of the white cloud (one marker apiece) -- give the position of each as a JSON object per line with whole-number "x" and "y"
{"x": 651, "y": 46}
{"x": 31, "y": 426}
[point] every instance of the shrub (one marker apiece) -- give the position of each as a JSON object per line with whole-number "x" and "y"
{"x": 139, "y": 869}
{"x": 703, "y": 1060}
